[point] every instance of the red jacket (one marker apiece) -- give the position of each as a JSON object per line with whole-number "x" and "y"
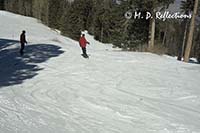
{"x": 83, "y": 42}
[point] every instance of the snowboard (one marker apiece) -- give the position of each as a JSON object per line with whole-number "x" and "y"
{"x": 85, "y": 56}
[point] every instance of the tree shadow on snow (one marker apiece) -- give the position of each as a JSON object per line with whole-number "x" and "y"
{"x": 6, "y": 42}
{"x": 14, "y": 69}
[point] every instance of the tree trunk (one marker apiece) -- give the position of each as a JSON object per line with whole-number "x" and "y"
{"x": 102, "y": 32}
{"x": 184, "y": 40}
{"x": 191, "y": 33}
{"x": 164, "y": 37}
{"x": 152, "y": 33}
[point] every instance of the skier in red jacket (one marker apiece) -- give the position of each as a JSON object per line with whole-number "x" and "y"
{"x": 83, "y": 43}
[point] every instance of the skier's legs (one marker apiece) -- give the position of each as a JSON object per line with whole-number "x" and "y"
{"x": 22, "y": 49}
{"x": 84, "y": 51}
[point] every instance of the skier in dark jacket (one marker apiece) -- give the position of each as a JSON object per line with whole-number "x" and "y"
{"x": 22, "y": 41}
{"x": 83, "y": 43}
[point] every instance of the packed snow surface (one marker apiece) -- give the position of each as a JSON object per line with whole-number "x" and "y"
{"x": 53, "y": 89}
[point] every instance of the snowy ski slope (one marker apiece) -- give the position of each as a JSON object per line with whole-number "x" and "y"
{"x": 52, "y": 89}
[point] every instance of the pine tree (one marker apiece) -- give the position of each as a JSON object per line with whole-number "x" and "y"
{"x": 76, "y": 18}
{"x": 186, "y": 7}
{"x": 1, "y": 4}
{"x": 130, "y": 34}
{"x": 153, "y": 6}
{"x": 102, "y": 20}
{"x": 56, "y": 9}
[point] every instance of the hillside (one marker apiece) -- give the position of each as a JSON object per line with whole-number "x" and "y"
{"x": 52, "y": 89}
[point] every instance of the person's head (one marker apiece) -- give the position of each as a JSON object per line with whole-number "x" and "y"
{"x": 23, "y": 31}
{"x": 83, "y": 35}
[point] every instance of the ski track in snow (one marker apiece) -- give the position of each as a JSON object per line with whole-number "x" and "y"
{"x": 112, "y": 92}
